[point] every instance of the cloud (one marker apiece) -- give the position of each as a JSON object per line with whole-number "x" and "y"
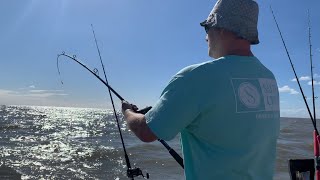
{"x": 6, "y": 92}
{"x": 305, "y": 78}
{"x": 314, "y": 83}
{"x": 44, "y": 91}
{"x": 287, "y": 89}
{"x": 31, "y": 93}
{"x": 34, "y": 97}
{"x": 28, "y": 87}
{"x": 38, "y": 91}
{"x": 316, "y": 76}
{"x": 302, "y": 78}
{"x": 294, "y": 112}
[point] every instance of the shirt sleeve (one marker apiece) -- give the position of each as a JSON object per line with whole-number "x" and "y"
{"x": 176, "y": 108}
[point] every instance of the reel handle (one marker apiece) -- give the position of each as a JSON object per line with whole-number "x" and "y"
{"x": 135, "y": 172}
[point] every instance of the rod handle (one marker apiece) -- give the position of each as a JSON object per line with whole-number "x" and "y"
{"x": 173, "y": 153}
{"x": 177, "y": 157}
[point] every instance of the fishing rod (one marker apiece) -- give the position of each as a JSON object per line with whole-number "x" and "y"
{"x": 172, "y": 152}
{"x": 316, "y": 137}
{"x": 95, "y": 73}
{"x": 311, "y": 70}
{"x": 131, "y": 172}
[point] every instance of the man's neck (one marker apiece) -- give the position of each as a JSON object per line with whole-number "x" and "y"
{"x": 237, "y": 47}
{"x": 239, "y": 52}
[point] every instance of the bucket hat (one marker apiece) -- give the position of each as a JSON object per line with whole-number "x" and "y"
{"x": 237, "y": 16}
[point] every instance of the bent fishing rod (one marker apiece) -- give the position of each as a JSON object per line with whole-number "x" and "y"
{"x": 131, "y": 172}
{"x": 316, "y": 137}
{"x": 172, "y": 152}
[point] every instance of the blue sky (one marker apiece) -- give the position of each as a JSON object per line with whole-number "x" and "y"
{"x": 143, "y": 44}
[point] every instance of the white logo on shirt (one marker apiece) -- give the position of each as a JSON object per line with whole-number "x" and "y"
{"x": 249, "y": 95}
{"x": 255, "y": 94}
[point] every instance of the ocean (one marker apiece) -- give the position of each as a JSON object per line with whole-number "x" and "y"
{"x": 83, "y": 143}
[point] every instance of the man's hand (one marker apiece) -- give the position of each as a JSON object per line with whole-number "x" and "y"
{"x": 128, "y": 106}
{"x": 137, "y": 122}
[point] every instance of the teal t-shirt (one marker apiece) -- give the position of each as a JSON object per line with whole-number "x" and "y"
{"x": 227, "y": 112}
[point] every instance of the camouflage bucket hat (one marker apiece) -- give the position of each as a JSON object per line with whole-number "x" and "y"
{"x": 237, "y": 16}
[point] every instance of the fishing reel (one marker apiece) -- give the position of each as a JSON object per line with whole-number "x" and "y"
{"x": 135, "y": 172}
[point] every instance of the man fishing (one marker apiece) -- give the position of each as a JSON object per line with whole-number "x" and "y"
{"x": 226, "y": 110}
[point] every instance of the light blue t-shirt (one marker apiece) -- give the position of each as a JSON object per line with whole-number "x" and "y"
{"x": 227, "y": 112}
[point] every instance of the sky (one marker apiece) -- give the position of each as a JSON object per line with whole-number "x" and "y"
{"x": 143, "y": 43}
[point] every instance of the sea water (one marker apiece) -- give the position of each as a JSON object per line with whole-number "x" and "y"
{"x": 80, "y": 143}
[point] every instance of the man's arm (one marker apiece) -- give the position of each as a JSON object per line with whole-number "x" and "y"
{"x": 137, "y": 123}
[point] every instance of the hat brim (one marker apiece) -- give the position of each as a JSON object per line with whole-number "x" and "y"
{"x": 226, "y": 23}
